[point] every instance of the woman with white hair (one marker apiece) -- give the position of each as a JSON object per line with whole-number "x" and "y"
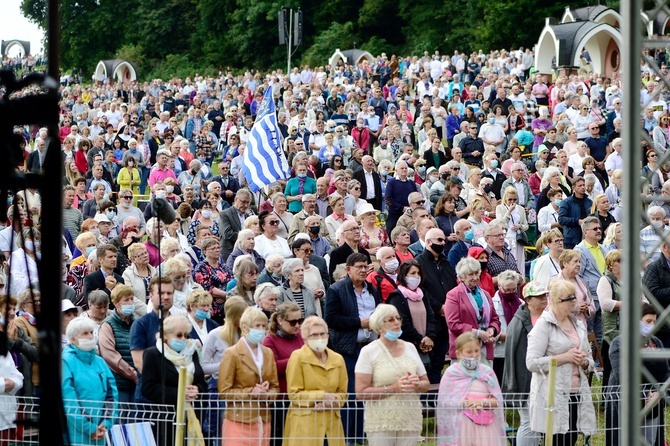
{"x": 506, "y": 301}
{"x": 469, "y": 308}
{"x": 88, "y": 386}
{"x": 245, "y": 244}
{"x": 162, "y": 362}
{"x": 272, "y": 271}
{"x": 295, "y": 290}
{"x": 280, "y": 209}
{"x": 389, "y": 376}
{"x": 266, "y": 296}
{"x": 550, "y": 180}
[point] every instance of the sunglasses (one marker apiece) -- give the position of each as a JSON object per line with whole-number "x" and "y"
{"x": 420, "y": 202}
{"x": 568, "y": 299}
{"x": 274, "y": 222}
{"x": 295, "y": 322}
{"x": 439, "y": 240}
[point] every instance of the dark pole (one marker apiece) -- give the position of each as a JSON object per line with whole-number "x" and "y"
{"x": 52, "y": 424}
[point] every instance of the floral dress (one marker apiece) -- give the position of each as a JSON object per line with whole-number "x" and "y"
{"x": 194, "y": 224}
{"x": 378, "y": 238}
{"x": 209, "y": 276}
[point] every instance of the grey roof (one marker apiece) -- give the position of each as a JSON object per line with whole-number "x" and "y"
{"x": 354, "y": 56}
{"x": 5, "y": 43}
{"x": 569, "y": 35}
{"x": 659, "y": 21}
{"x": 588, "y": 12}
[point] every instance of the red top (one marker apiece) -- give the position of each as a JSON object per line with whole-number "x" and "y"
{"x": 282, "y": 349}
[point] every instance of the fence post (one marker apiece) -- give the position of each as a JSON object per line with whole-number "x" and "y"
{"x": 181, "y": 408}
{"x": 551, "y": 406}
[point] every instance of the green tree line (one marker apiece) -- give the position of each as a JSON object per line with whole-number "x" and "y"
{"x": 178, "y": 37}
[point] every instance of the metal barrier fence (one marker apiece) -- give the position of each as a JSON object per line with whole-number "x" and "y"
{"x": 306, "y": 419}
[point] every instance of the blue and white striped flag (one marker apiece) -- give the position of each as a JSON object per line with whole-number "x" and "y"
{"x": 264, "y": 159}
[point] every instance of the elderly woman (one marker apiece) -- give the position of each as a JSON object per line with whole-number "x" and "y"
{"x": 266, "y": 297}
{"x": 335, "y": 220}
{"x": 516, "y": 377}
{"x": 317, "y": 383}
{"x": 139, "y": 273}
{"x": 172, "y": 351}
{"x": 246, "y": 276}
{"x": 86, "y": 244}
{"x": 248, "y": 422}
{"x": 170, "y": 247}
{"x": 413, "y": 304}
{"x": 192, "y": 177}
{"x": 302, "y": 249}
{"x": 280, "y": 206}
{"x": 253, "y": 224}
{"x": 570, "y": 262}
{"x": 372, "y": 236}
{"x": 98, "y": 310}
{"x": 245, "y": 244}
{"x": 514, "y": 219}
{"x": 551, "y": 180}
{"x": 609, "y": 294}
{"x": 178, "y": 269}
{"x": 269, "y": 242}
{"x": 401, "y": 241}
{"x": 354, "y": 189}
{"x": 283, "y": 339}
{"x": 199, "y": 305}
{"x": 389, "y": 377}
{"x": 506, "y": 301}
{"x": 295, "y": 290}
{"x": 113, "y": 342}
{"x": 272, "y": 271}
{"x": 89, "y": 388}
{"x": 469, "y": 308}
{"x": 203, "y": 217}
{"x": 212, "y": 276}
{"x": 559, "y": 335}
{"x": 547, "y": 266}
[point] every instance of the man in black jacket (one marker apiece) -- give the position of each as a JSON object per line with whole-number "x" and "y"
{"x": 104, "y": 279}
{"x": 366, "y": 176}
{"x": 351, "y": 234}
{"x": 349, "y": 305}
{"x": 657, "y": 279}
{"x": 440, "y": 279}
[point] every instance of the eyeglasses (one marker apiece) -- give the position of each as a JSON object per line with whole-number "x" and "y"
{"x": 181, "y": 335}
{"x": 274, "y": 222}
{"x": 568, "y": 299}
{"x": 595, "y": 229}
{"x": 295, "y": 322}
{"x": 420, "y": 202}
{"x": 593, "y": 128}
{"x": 179, "y": 279}
{"x": 127, "y": 197}
{"x": 306, "y": 250}
{"x": 512, "y": 199}
{"x": 653, "y": 155}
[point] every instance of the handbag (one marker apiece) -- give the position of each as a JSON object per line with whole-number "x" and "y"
{"x": 483, "y": 417}
{"x": 521, "y": 238}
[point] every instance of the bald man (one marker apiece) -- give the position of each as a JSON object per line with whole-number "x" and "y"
{"x": 386, "y": 277}
{"x": 371, "y": 185}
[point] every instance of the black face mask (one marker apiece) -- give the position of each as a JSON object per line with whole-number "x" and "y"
{"x": 445, "y": 176}
{"x": 315, "y": 229}
{"x": 483, "y": 265}
{"x": 488, "y": 188}
{"x": 437, "y": 249}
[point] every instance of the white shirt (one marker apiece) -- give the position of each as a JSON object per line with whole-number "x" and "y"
{"x": 547, "y": 217}
{"x": 613, "y": 162}
{"x": 575, "y": 161}
{"x": 370, "y": 184}
{"x": 5, "y": 238}
{"x": 265, "y": 246}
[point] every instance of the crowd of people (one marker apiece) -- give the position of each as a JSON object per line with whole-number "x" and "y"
{"x": 441, "y": 210}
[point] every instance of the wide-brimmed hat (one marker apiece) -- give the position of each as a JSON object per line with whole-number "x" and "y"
{"x": 366, "y": 209}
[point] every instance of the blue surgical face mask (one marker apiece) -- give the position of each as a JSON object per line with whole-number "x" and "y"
{"x": 392, "y": 335}
{"x": 110, "y": 215}
{"x": 492, "y": 121}
{"x": 89, "y": 250}
{"x": 133, "y": 150}
{"x": 177, "y": 344}
{"x": 646, "y": 329}
{"x": 127, "y": 310}
{"x": 546, "y": 250}
{"x": 494, "y": 164}
{"x": 422, "y": 169}
{"x": 469, "y": 235}
{"x": 383, "y": 172}
{"x": 302, "y": 175}
{"x": 558, "y": 202}
{"x": 202, "y": 314}
{"x": 256, "y": 335}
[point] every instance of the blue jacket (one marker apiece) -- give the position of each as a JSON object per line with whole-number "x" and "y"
{"x": 88, "y": 389}
{"x": 458, "y": 251}
{"x": 341, "y": 315}
{"x": 569, "y": 215}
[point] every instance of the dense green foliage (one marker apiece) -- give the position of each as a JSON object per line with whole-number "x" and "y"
{"x": 174, "y": 37}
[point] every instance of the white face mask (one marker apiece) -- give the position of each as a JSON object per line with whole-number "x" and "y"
{"x": 206, "y": 213}
{"x": 85, "y": 344}
{"x": 169, "y": 189}
{"x": 161, "y": 194}
{"x": 392, "y": 265}
{"x": 412, "y": 282}
{"x": 318, "y": 345}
